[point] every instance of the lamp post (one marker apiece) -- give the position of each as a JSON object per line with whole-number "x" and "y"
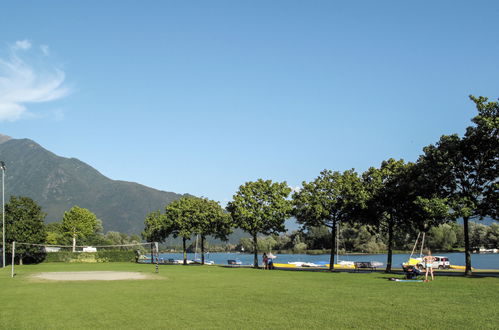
{"x": 3, "y": 168}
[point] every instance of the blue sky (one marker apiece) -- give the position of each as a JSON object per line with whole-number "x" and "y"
{"x": 201, "y": 96}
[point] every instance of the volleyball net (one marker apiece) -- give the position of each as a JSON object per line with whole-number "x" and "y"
{"x": 20, "y": 253}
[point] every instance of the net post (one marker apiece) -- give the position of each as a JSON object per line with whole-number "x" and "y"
{"x": 152, "y": 255}
{"x": 13, "y": 256}
{"x": 157, "y": 256}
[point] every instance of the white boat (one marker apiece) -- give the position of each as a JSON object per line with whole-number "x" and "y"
{"x": 376, "y": 264}
{"x": 304, "y": 264}
{"x": 346, "y": 263}
{"x": 482, "y": 250}
{"x": 206, "y": 262}
{"x": 180, "y": 261}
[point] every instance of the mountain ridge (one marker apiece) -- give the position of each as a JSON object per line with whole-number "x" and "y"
{"x": 58, "y": 183}
{"x": 4, "y": 138}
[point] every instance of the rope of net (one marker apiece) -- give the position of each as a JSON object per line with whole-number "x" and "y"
{"x": 84, "y": 246}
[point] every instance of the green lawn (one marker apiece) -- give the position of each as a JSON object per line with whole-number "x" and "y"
{"x": 215, "y": 297}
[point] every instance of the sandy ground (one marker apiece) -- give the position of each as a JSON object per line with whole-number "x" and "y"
{"x": 92, "y": 276}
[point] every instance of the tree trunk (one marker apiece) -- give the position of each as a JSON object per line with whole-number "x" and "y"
{"x": 390, "y": 247}
{"x": 184, "y": 248}
{"x": 202, "y": 250}
{"x": 333, "y": 246}
{"x": 467, "y": 252}
{"x": 74, "y": 242}
{"x": 255, "y": 251}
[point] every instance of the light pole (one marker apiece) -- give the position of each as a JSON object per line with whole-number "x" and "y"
{"x": 3, "y": 168}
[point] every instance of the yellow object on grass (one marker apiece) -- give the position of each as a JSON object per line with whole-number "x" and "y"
{"x": 284, "y": 265}
{"x": 326, "y": 266}
{"x": 459, "y": 267}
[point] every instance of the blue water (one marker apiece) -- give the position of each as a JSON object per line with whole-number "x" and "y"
{"x": 479, "y": 261}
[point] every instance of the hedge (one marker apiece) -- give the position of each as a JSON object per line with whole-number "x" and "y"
{"x": 99, "y": 256}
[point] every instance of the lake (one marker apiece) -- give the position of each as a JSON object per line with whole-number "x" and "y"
{"x": 479, "y": 261}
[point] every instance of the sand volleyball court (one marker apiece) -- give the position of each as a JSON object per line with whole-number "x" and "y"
{"x": 92, "y": 276}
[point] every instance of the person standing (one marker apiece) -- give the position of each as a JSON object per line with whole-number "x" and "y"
{"x": 270, "y": 263}
{"x": 265, "y": 260}
{"x": 428, "y": 261}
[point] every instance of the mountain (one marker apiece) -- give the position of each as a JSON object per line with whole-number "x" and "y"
{"x": 58, "y": 183}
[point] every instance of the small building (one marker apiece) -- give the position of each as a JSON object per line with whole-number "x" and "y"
{"x": 51, "y": 249}
{"x": 89, "y": 249}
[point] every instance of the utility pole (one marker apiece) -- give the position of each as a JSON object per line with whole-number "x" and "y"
{"x": 3, "y": 168}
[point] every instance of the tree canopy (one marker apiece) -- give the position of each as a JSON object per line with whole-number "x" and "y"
{"x": 209, "y": 219}
{"x": 24, "y": 224}
{"x": 328, "y": 200}
{"x": 78, "y": 222}
{"x": 260, "y": 207}
{"x": 466, "y": 169}
{"x": 186, "y": 217}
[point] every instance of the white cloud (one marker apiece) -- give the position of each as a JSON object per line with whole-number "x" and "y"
{"x": 22, "y": 83}
{"x": 45, "y": 50}
{"x": 295, "y": 189}
{"x": 22, "y": 44}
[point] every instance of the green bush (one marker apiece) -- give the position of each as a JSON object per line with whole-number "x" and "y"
{"x": 99, "y": 256}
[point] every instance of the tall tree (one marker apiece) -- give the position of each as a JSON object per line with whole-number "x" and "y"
{"x": 209, "y": 219}
{"x": 180, "y": 215}
{"x": 260, "y": 207}
{"x": 466, "y": 169}
{"x": 400, "y": 201}
{"x": 79, "y": 222}
{"x": 157, "y": 227}
{"x": 386, "y": 192}
{"x": 24, "y": 224}
{"x": 328, "y": 201}
{"x": 55, "y": 234}
{"x": 185, "y": 217}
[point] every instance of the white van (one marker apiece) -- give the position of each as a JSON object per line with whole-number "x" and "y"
{"x": 440, "y": 262}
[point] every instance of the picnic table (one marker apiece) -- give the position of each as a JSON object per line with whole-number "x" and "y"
{"x": 360, "y": 265}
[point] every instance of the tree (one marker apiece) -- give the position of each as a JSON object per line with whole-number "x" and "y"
{"x": 283, "y": 241}
{"x": 79, "y": 222}
{"x": 179, "y": 213}
{"x": 24, "y": 224}
{"x": 209, "y": 218}
{"x": 55, "y": 235}
{"x": 492, "y": 237}
{"x": 318, "y": 238}
{"x": 266, "y": 243}
{"x": 400, "y": 200}
{"x": 185, "y": 217}
{"x": 175, "y": 221}
{"x": 386, "y": 197}
{"x": 442, "y": 237}
{"x": 117, "y": 238}
{"x": 246, "y": 244}
{"x": 478, "y": 235}
{"x": 466, "y": 169}
{"x": 328, "y": 201}
{"x": 260, "y": 207}
{"x": 96, "y": 237}
{"x": 157, "y": 227}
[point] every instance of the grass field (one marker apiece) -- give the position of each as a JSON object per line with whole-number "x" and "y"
{"x": 215, "y": 297}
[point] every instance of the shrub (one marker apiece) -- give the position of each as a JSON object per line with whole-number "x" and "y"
{"x": 99, "y": 256}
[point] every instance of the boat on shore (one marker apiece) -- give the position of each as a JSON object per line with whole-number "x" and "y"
{"x": 311, "y": 265}
{"x": 482, "y": 250}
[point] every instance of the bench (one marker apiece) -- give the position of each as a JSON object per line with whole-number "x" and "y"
{"x": 359, "y": 265}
